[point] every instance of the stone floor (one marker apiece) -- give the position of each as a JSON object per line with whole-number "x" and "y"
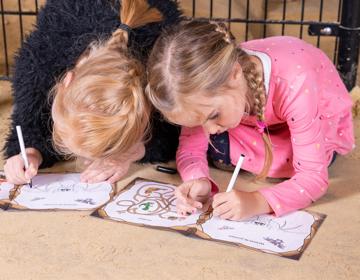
{"x": 73, "y": 245}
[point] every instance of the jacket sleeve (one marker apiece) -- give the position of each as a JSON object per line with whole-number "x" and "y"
{"x": 298, "y": 106}
{"x": 191, "y": 157}
{"x": 36, "y": 66}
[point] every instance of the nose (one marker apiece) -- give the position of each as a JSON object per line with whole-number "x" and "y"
{"x": 212, "y": 128}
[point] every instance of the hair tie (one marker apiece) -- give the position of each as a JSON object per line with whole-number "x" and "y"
{"x": 260, "y": 126}
{"x": 125, "y": 27}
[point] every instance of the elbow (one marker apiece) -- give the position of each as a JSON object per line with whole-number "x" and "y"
{"x": 321, "y": 184}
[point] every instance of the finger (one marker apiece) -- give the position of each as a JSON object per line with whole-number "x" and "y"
{"x": 116, "y": 177}
{"x": 7, "y": 172}
{"x": 9, "y": 176}
{"x": 181, "y": 213}
{"x": 200, "y": 197}
{"x": 83, "y": 176}
{"x": 31, "y": 171}
{"x": 185, "y": 210}
{"x": 100, "y": 176}
{"x": 227, "y": 216}
{"x": 13, "y": 180}
{"x": 190, "y": 202}
{"x": 221, "y": 209}
{"x": 183, "y": 189}
{"x": 219, "y": 199}
{"x": 184, "y": 206}
{"x": 93, "y": 165}
{"x": 96, "y": 167}
{"x": 18, "y": 172}
{"x": 11, "y": 168}
{"x": 87, "y": 162}
{"x": 88, "y": 174}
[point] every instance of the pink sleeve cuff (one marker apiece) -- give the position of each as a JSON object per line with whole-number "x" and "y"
{"x": 275, "y": 204}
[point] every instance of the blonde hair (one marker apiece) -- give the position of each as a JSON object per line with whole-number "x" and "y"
{"x": 103, "y": 109}
{"x": 200, "y": 56}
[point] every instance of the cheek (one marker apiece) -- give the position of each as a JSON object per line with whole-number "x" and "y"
{"x": 233, "y": 117}
{"x": 239, "y": 110}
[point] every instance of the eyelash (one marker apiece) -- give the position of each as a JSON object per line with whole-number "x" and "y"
{"x": 214, "y": 116}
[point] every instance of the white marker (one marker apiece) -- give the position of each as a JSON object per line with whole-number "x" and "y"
{"x": 22, "y": 148}
{"x": 235, "y": 174}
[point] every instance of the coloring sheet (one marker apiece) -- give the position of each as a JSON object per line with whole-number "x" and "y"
{"x": 60, "y": 191}
{"x": 148, "y": 203}
{"x": 265, "y": 232}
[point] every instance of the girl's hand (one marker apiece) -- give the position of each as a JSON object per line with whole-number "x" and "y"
{"x": 14, "y": 167}
{"x": 191, "y": 195}
{"x": 238, "y": 205}
{"x": 114, "y": 168}
{"x": 105, "y": 170}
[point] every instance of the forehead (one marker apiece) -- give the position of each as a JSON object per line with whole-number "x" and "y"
{"x": 193, "y": 112}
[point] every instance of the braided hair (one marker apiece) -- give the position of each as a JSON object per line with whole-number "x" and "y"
{"x": 204, "y": 58}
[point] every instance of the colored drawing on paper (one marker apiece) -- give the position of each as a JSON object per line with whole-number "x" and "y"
{"x": 148, "y": 203}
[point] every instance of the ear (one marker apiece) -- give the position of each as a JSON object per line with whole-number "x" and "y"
{"x": 68, "y": 78}
{"x": 235, "y": 75}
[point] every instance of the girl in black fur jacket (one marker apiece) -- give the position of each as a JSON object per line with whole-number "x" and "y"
{"x": 99, "y": 111}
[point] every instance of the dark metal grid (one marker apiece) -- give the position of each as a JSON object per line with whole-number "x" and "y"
{"x": 264, "y": 21}
{"x": 5, "y": 69}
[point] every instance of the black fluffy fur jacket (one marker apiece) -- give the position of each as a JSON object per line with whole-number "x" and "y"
{"x": 63, "y": 30}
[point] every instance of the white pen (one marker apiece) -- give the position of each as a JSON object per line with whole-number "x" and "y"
{"x": 22, "y": 149}
{"x": 235, "y": 174}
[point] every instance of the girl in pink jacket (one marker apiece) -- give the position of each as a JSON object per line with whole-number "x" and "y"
{"x": 279, "y": 101}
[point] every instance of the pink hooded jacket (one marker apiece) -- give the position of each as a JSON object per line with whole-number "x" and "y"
{"x": 308, "y": 115}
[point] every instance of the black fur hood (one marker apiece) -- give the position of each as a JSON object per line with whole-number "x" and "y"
{"x": 63, "y": 31}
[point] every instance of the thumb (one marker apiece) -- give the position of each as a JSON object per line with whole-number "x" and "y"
{"x": 185, "y": 188}
{"x": 31, "y": 171}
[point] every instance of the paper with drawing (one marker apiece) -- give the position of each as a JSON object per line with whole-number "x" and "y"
{"x": 153, "y": 204}
{"x": 148, "y": 203}
{"x": 60, "y": 191}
